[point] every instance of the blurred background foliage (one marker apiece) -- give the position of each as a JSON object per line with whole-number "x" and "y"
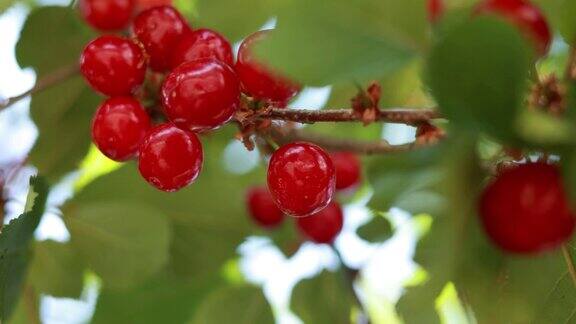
{"x": 173, "y": 258}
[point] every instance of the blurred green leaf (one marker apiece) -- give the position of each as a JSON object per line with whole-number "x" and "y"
{"x": 50, "y": 42}
{"x": 239, "y": 305}
{"x": 559, "y": 305}
{"x": 162, "y": 299}
{"x": 478, "y": 79}
{"x": 323, "y": 299}
{"x": 378, "y": 229}
{"x": 286, "y": 237}
{"x": 399, "y": 178}
{"x": 57, "y": 270}
{"x": 328, "y": 41}
{"x": 124, "y": 243}
{"x": 567, "y": 24}
{"x": 235, "y": 19}
{"x": 15, "y": 250}
{"x": 544, "y": 129}
{"x": 205, "y": 231}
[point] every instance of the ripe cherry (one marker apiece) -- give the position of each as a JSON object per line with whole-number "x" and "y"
{"x": 107, "y": 15}
{"x": 435, "y": 8}
{"x": 262, "y": 207}
{"x": 257, "y": 79}
{"x": 301, "y": 178}
{"x": 526, "y": 16}
{"x": 202, "y": 43}
{"x": 113, "y": 65}
{"x": 323, "y": 226}
{"x": 526, "y": 210}
{"x": 200, "y": 95}
{"x": 347, "y": 167}
{"x": 170, "y": 157}
{"x": 159, "y": 29}
{"x": 119, "y": 127}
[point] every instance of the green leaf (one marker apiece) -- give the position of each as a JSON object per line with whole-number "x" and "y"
{"x": 478, "y": 79}
{"x": 5, "y": 4}
{"x": 162, "y": 299}
{"x": 57, "y": 270}
{"x": 328, "y": 41}
{"x": 400, "y": 178}
{"x": 323, "y": 299}
{"x": 205, "y": 231}
{"x": 123, "y": 243}
{"x": 15, "y": 251}
{"x": 239, "y": 305}
{"x": 566, "y": 24}
{"x": 235, "y": 19}
{"x": 378, "y": 229}
{"x": 560, "y": 304}
{"x": 286, "y": 237}
{"x": 51, "y": 41}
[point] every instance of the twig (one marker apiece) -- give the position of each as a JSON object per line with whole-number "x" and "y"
{"x": 399, "y": 116}
{"x": 569, "y": 263}
{"x": 283, "y": 136}
{"x": 42, "y": 84}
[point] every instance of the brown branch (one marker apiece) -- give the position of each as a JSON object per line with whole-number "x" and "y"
{"x": 42, "y": 84}
{"x": 284, "y": 136}
{"x": 400, "y": 116}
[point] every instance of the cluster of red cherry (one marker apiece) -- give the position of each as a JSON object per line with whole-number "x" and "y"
{"x": 200, "y": 92}
{"x": 525, "y": 208}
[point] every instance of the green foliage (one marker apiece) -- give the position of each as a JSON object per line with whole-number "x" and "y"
{"x": 15, "y": 250}
{"x": 323, "y": 299}
{"x": 286, "y": 237}
{"x": 57, "y": 270}
{"x": 315, "y": 45}
{"x": 235, "y": 19}
{"x": 406, "y": 180}
{"x": 124, "y": 243}
{"x": 241, "y": 305}
{"x": 162, "y": 299}
{"x": 479, "y": 80}
{"x": 62, "y": 113}
{"x": 378, "y": 229}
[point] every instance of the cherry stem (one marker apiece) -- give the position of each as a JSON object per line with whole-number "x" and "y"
{"x": 50, "y": 80}
{"x": 284, "y": 136}
{"x": 349, "y": 277}
{"x": 406, "y": 116}
{"x": 569, "y": 262}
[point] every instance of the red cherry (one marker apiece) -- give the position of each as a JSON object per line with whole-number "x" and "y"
{"x": 107, "y": 15}
{"x": 259, "y": 80}
{"x": 262, "y": 207}
{"x": 170, "y": 157}
{"x": 435, "y": 9}
{"x": 200, "y": 95}
{"x": 323, "y": 226}
{"x": 202, "y": 43}
{"x": 347, "y": 167}
{"x": 119, "y": 126}
{"x": 301, "y": 178}
{"x": 113, "y": 65}
{"x": 159, "y": 29}
{"x": 526, "y": 16}
{"x": 525, "y": 210}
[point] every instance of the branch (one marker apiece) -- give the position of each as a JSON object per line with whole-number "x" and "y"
{"x": 42, "y": 84}
{"x": 284, "y": 136}
{"x": 569, "y": 262}
{"x": 399, "y": 116}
